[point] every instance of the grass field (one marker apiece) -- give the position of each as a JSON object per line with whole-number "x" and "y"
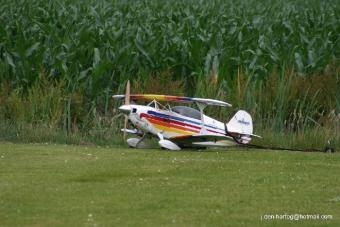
{"x": 62, "y": 185}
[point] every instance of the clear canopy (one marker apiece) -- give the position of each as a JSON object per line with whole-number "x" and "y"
{"x": 187, "y": 112}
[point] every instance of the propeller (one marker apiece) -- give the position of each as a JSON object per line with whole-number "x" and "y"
{"x": 127, "y": 102}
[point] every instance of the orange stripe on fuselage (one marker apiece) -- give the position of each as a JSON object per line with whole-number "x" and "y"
{"x": 167, "y": 129}
{"x": 169, "y": 125}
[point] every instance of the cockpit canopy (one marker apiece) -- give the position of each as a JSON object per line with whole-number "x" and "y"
{"x": 187, "y": 112}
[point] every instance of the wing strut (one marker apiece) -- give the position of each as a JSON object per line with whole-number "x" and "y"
{"x": 201, "y": 107}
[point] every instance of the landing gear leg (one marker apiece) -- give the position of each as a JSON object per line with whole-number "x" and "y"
{"x": 141, "y": 139}
{"x": 137, "y": 143}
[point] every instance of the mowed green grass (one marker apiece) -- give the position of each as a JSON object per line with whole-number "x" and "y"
{"x": 62, "y": 185}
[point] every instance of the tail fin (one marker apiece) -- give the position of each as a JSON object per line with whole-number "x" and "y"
{"x": 241, "y": 125}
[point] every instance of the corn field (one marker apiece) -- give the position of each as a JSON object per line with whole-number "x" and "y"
{"x": 60, "y": 61}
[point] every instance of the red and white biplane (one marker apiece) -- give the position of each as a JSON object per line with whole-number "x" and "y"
{"x": 182, "y": 126}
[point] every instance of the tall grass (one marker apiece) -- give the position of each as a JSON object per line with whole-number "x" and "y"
{"x": 288, "y": 109}
{"x": 60, "y": 61}
{"x": 285, "y": 108}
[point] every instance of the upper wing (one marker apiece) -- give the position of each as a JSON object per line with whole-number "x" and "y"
{"x": 171, "y": 98}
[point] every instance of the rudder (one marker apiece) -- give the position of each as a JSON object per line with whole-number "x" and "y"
{"x": 241, "y": 123}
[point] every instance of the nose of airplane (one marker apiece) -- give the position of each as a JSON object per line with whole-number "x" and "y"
{"x": 125, "y": 109}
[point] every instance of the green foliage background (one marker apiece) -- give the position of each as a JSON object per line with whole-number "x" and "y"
{"x": 60, "y": 61}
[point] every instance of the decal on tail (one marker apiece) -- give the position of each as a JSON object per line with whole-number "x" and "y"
{"x": 241, "y": 126}
{"x": 241, "y": 123}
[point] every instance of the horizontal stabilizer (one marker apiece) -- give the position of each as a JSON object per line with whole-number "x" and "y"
{"x": 257, "y": 136}
{"x": 243, "y": 134}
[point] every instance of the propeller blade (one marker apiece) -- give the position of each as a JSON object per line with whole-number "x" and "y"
{"x": 127, "y": 102}
{"x": 127, "y": 93}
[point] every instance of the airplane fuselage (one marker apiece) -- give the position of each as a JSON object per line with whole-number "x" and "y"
{"x": 171, "y": 124}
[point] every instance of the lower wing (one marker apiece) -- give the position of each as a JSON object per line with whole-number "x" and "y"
{"x": 203, "y": 140}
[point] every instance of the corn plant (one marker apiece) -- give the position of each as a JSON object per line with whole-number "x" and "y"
{"x": 238, "y": 50}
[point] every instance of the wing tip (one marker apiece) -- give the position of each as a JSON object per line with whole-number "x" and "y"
{"x": 117, "y": 96}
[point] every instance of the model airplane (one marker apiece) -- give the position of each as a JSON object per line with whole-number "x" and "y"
{"x": 182, "y": 126}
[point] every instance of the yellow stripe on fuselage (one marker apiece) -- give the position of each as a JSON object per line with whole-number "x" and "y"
{"x": 162, "y": 127}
